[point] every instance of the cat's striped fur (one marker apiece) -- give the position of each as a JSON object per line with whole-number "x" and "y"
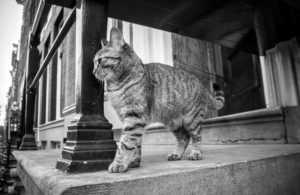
{"x": 147, "y": 93}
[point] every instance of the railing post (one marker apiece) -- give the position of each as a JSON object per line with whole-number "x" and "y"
{"x": 32, "y": 66}
{"x": 90, "y": 145}
{"x": 21, "y": 131}
{"x": 8, "y": 152}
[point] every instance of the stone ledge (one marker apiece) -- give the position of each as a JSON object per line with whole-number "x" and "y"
{"x": 226, "y": 169}
{"x": 254, "y": 114}
{"x": 292, "y": 124}
{"x": 264, "y": 126}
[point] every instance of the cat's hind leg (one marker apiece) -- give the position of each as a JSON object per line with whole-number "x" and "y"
{"x": 194, "y": 129}
{"x": 196, "y": 153}
{"x": 182, "y": 141}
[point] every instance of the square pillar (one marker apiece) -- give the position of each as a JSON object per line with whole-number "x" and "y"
{"x": 32, "y": 66}
{"x": 90, "y": 145}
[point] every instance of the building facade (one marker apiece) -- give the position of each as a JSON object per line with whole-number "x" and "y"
{"x": 55, "y": 101}
{"x": 250, "y": 82}
{"x": 64, "y": 106}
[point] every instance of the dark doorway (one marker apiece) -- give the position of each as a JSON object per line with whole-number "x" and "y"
{"x": 243, "y": 88}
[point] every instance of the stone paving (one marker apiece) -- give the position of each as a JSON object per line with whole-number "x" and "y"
{"x": 225, "y": 169}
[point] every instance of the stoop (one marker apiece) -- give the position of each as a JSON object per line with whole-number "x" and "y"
{"x": 225, "y": 169}
{"x": 264, "y": 126}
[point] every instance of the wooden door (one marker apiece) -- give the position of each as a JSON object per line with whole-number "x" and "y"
{"x": 243, "y": 88}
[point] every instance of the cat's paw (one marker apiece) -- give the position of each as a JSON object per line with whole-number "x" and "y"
{"x": 173, "y": 156}
{"x": 115, "y": 167}
{"x": 135, "y": 163}
{"x": 195, "y": 156}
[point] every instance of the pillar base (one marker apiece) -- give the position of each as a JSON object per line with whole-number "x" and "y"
{"x": 87, "y": 148}
{"x": 28, "y": 142}
{"x": 71, "y": 166}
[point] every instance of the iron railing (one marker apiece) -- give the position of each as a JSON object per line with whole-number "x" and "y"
{"x": 33, "y": 75}
{"x": 58, "y": 40}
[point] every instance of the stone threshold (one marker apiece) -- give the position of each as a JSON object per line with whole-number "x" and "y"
{"x": 265, "y": 126}
{"x": 225, "y": 169}
{"x": 249, "y": 115}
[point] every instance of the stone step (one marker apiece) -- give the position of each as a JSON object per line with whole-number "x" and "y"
{"x": 225, "y": 169}
{"x": 265, "y": 126}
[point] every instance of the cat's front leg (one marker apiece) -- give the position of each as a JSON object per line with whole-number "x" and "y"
{"x": 136, "y": 160}
{"x": 128, "y": 149}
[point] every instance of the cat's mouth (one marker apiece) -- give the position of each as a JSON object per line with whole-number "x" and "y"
{"x": 103, "y": 76}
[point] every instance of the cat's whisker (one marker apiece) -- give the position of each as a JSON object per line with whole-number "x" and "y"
{"x": 100, "y": 87}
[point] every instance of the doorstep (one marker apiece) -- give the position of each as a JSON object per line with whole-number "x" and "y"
{"x": 225, "y": 169}
{"x": 264, "y": 126}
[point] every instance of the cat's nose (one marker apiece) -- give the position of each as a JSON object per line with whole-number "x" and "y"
{"x": 95, "y": 70}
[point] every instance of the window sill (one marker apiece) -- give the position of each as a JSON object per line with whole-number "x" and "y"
{"x": 51, "y": 124}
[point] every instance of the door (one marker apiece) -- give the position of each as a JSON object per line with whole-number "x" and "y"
{"x": 243, "y": 88}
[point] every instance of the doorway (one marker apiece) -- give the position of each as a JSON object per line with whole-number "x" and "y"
{"x": 243, "y": 87}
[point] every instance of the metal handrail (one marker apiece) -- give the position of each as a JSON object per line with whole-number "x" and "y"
{"x": 40, "y": 15}
{"x": 58, "y": 40}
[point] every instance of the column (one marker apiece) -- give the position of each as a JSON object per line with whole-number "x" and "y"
{"x": 32, "y": 66}
{"x": 90, "y": 145}
{"x": 21, "y": 131}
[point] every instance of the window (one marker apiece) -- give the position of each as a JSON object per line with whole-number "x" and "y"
{"x": 55, "y": 80}
{"x": 50, "y": 90}
{"x": 58, "y": 26}
{"x": 43, "y": 145}
{"x": 151, "y": 45}
{"x": 36, "y": 109}
{"x": 44, "y": 87}
{"x": 55, "y": 145}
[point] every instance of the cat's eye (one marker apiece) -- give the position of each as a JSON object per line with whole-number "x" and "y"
{"x": 99, "y": 61}
{"x": 106, "y": 66}
{"x": 112, "y": 58}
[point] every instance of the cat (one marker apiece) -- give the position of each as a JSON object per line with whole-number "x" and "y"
{"x": 146, "y": 93}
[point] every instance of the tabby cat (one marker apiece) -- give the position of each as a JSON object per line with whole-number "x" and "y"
{"x": 146, "y": 93}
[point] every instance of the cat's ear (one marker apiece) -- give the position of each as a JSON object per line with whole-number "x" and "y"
{"x": 116, "y": 37}
{"x": 103, "y": 43}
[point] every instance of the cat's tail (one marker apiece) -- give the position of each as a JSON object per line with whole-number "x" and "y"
{"x": 218, "y": 100}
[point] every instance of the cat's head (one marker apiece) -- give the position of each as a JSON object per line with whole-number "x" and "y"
{"x": 116, "y": 59}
